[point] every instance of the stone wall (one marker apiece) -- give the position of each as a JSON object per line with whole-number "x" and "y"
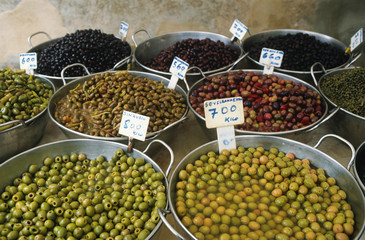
{"x": 21, "y": 18}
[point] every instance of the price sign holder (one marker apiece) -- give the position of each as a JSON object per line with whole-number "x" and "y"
{"x": 123, "y": 30}
{"x": 238, "y": 30}
{"x": 178, "y": 69}
{"x": 28, "y": 62}
{"x": 223, "y": 114}
{"x": 134, "y": 126}
{"x": 356, "y": 40}
{"x": 271, "y": 58}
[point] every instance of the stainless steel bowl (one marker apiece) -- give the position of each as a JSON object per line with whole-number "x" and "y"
{"x": 63, "y": 91}
{"x": 318, "y": 159}
{"x": 343, "y": 122}
{"x": 304, "y": 75}
{"x": 151, "y": 47}
{"x": 57, "y": 80}
{"x": 25, "y": 134}
{"x": 296, "y": 134}
{"x": 18, "y": 164}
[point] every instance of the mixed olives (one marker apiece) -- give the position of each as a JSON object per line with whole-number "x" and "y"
{"x": 73, "y": 197}
{"x": 205, "y": 53}
{"x": 96, "y": 106}
{"x": 22, "y": 96}
{"x": 258, "y": 193}
{"x": 96, "y": 50}
{"x": 271, "y": 104}
{"x": 346, "y": 89}
{"x": 301, "y": 51}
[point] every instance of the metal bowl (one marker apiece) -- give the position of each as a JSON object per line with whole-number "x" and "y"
{"x": 300, "y": 133}
{"x": 318, "y": 159}
{"x": 25, "y": 134}
{"x": 57, "y": 80}
{"x": 359, "y": 166}
{"x": 63, "y": 91}
{"x": 18, "y": 164}
{"x": 344, "y": 122}
{"x": 151, "y": 47}
{"x": 304, "y": 75}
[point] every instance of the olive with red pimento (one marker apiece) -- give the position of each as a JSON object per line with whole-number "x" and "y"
{"x": 271, "y": 103}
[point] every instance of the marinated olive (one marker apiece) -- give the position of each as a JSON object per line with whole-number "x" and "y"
{"x": 205, "y": 53}
{"x": 271, "y": 104}
{"x": 22, "y": 96}
{"x": 77, "y": 207}
{"x": 271, "y": 206}
{"x": 96, "y": 50}
{"x": 96, "y": 107}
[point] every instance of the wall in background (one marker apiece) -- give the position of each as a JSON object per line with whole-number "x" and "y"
{"x": 21, "y": 18}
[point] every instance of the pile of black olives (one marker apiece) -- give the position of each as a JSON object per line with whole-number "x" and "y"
{"x": 73, "y": 197}
{"x": 205, "y": 53}
{"x": 96, "y": 50}
{"x": 301, "y": 51}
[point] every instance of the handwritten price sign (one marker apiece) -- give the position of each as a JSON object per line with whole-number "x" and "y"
{"x": 238, "y": 29}
{"x": 223, "y": 112}
{"x": 179, "y": 67}
{"x": 272, "y": 56}
{"x": 134, "y": 125}
{"x": 357, "y": 39}
{"x": 28, "y": 61}
{"x": 123, "y": 29}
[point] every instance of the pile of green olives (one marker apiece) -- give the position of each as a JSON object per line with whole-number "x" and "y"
{"x": 254, "y": 193}
{"x": 72, "y": 197}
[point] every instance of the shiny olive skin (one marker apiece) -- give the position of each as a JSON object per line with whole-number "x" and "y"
{"x": 22, "y": 96}
{"x": 234, "y": 200}
{"x": 96, "y": 106}
{"x": 77, "y": 207}
{"x": 270, "y": 103}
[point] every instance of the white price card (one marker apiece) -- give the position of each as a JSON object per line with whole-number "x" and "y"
{"x": 238, "y": 29}
{"x": 223, "y": 112}
{"x": 123, "y": 29}
{"x": 178, "y": 69}
{"x": 28, "y": 61}
{"x": 271, "y": 58}
{"x": 226, "y": 138}
{"x": 357, "y": 39}
{"x": 134, "y": 125}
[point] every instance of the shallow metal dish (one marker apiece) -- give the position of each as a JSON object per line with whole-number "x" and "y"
{"x": 63, "y": 91}
{"x": 318, "y": 159}
{"x": 294, "y": 134}
{"x": 304, "y": 75}
{"x": 25, "y": 134}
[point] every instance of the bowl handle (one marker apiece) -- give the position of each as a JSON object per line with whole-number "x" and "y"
{"x": 121, "y": 63}
{"x": 193, "y": 67}
{"x": 142, "y": 30}
{"x": 353, "y": 152}
{"x": 357, "y": 56}
{"x": 162, "y": 213}
{"x": 312, "y": 72}
{"x": 172, "y": 158}
{"x": 237, "y": 61}
{"x": 32, "y": 35}
{"x": 72, "y": 65}
{"x": 6, "y": 125}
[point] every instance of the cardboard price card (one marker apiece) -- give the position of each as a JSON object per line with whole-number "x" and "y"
{"x": 134, "y": 125}
{"x": 223, "y": 112}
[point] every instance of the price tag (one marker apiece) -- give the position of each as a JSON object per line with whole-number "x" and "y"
{"x": 178, "y": 69}
{"x": 357, "y": 39}
{"x": 223, "y": 112}
{"x": 238, "y": 29}
{"x": 123, "y": 29}
{"x": 28, "y": 61}
{"x": 134, "y": 125}
{"x": 271, "y": 58}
